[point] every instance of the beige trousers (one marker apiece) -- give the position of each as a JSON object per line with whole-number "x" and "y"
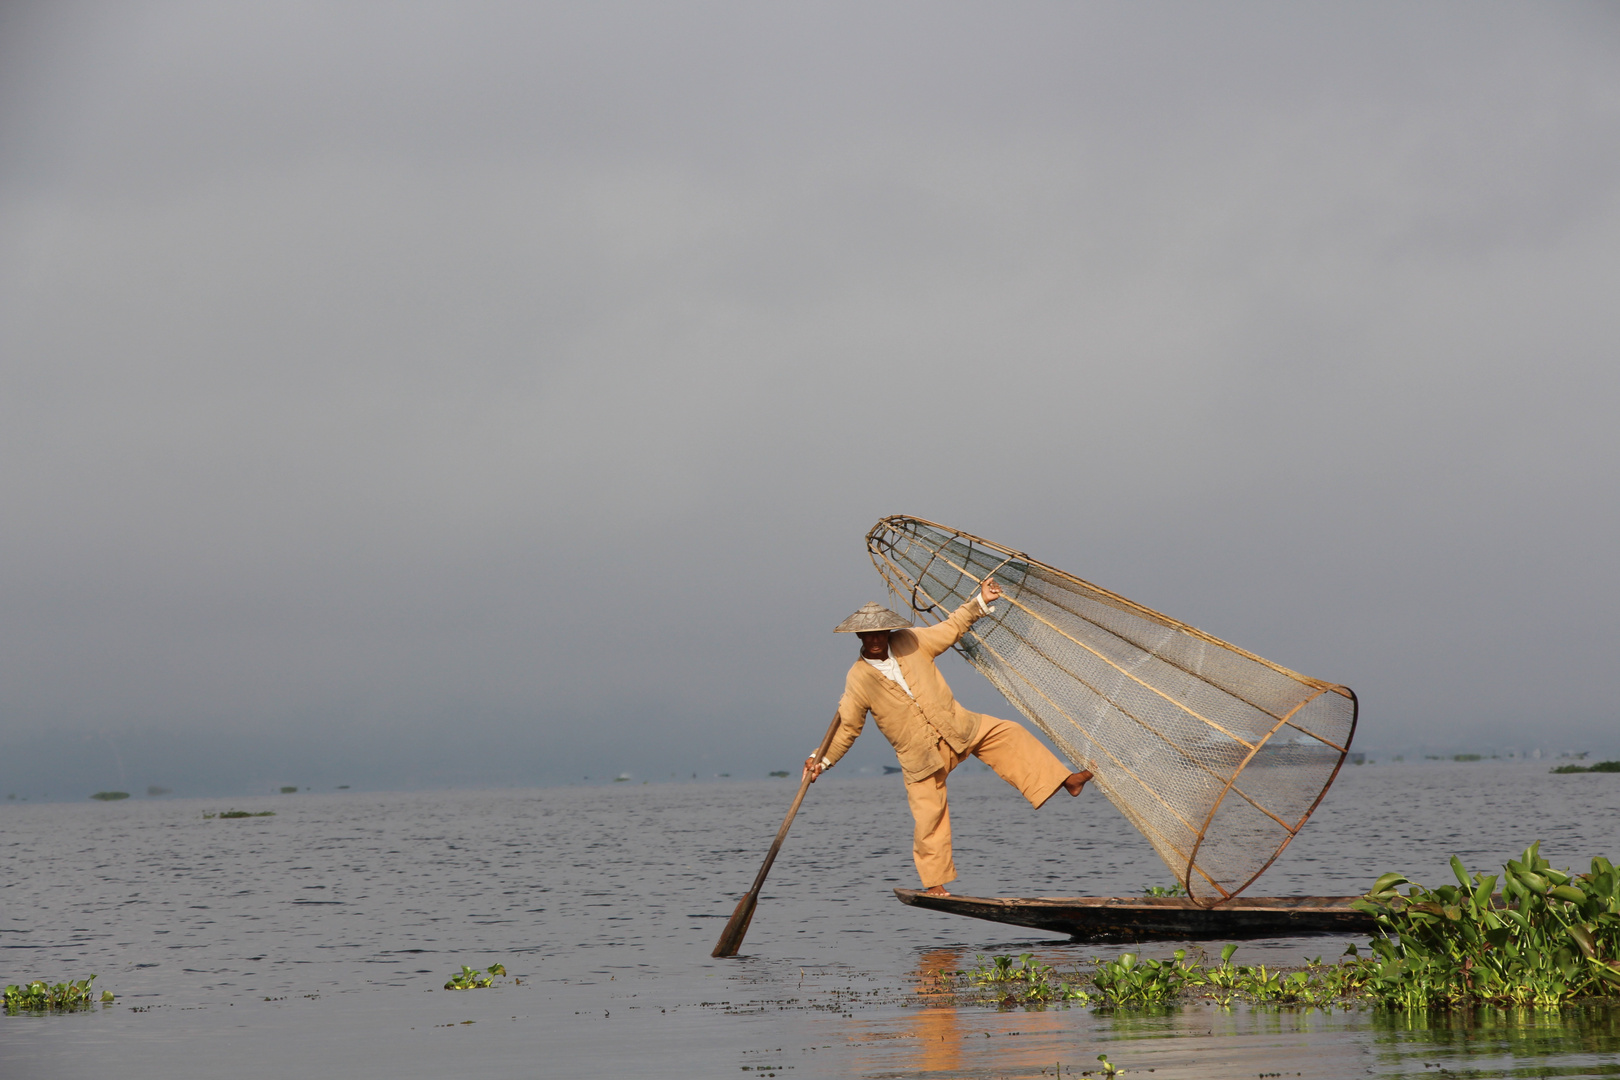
{"x": 1013, "y": 754}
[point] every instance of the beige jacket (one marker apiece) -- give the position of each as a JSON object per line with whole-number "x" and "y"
{"x": 913, "y": 726}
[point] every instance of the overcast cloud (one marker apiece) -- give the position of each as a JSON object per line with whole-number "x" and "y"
{"x": 412, "y": 394}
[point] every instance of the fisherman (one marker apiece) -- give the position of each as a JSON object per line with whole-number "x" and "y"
{"x": 895, "y": 679}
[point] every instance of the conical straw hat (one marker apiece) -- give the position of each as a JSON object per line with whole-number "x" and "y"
{"x": 872, "y": 616}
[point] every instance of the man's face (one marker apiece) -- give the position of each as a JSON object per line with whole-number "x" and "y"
{"x": 874, "y": 645}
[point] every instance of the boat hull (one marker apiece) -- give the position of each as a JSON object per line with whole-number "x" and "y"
{"x": 1116, "y": 918}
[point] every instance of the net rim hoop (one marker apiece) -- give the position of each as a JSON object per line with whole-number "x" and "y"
{"x": 1203, "y": 831}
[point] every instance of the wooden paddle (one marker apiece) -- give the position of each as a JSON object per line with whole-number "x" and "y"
{"x": 732, "y": 936}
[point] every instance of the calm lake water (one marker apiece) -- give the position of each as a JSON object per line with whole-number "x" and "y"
{"x": 316, "y": 942}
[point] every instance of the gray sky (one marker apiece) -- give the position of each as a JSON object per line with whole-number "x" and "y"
{"x": 479, "y": 393}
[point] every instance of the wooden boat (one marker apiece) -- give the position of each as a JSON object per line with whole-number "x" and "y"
{"x": 1137, "y": 918}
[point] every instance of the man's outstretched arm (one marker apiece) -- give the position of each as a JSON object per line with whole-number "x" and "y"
{"x": 936, "y": 639}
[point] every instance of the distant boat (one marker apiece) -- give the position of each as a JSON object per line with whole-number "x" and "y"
{"x": 887, "y": 769}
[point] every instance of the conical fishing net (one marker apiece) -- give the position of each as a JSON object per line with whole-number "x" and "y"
{"x": 1215, "y": 754}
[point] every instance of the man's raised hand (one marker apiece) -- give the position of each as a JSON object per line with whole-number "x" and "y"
{"x": 989, "y": 591}
{"x": 812, "y": 767}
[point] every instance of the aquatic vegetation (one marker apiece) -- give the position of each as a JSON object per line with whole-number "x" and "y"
{"x": 1602, "y": 766}
{"x": 1548, "y": 938}
{"x": 473, "y": 979}
{"x": 1130, "y": 980}
{"x": 110, "y": 796}
{"x": 1005, "y": 969}
{"x": 240, "y": 814}
{"x": 1316, "y": 985}
{"x": 1178, "y": 889}
{"x": 289, "y": 790}
{"x": 1026, "y": 981}
{"x": 40, "y": 996}
{"x": 777, "y": 772}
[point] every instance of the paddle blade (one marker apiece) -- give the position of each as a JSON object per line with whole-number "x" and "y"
{"x": 731, "y": 938}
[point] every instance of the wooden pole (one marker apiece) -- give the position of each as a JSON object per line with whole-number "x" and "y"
{"x": 731, "y": 938}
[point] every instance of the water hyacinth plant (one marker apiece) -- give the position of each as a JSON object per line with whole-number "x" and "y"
{"x": 473, "y": 979}
{"x": 1026, "y": 981}
{"x": 1178, "y": 889}
{"x": 1547, "y": 938}
{"x": 40, "y": 996}
{"x": 1130, "y": 980}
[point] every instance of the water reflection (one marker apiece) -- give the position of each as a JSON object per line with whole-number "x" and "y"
{"x": 936, "y": 1027}
{"x": 1573, "y": 1041}
{"x": 939, "y": 1038}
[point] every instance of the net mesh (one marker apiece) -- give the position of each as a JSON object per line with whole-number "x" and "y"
{"x": 1217, "y": 756}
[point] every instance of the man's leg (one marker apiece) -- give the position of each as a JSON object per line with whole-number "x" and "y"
{"x": 931, "y": 838}
{"x": 1020, "y": 759}
{"x": 931, "y": 815}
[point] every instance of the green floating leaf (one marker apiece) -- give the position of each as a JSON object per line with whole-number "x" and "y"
{"x": 1567, "y": 892}
{"x": 1458, "y": 869}
{"x": 1389, "y": 881}
{"x": 1535, "y": 882}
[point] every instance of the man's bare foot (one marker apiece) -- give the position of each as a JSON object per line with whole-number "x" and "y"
{"x": 937, "y": 890}
{"x": 1076, "y": 781}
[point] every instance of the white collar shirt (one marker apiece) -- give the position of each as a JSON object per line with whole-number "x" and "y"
{"x": 890, "y": 668}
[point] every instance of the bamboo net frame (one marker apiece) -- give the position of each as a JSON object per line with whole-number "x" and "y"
{"x": 1216, "y": 755}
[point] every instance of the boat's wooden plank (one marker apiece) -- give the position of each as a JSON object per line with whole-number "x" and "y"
{"x": 1136, "y": 918}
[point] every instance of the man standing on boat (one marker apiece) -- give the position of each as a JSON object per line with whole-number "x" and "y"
{"x": 896, "y": 680}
